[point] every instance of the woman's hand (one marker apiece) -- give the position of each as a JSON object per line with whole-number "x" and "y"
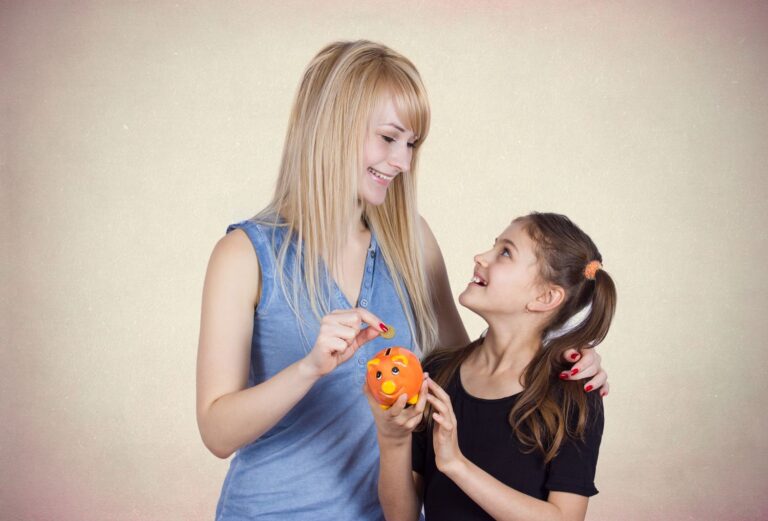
{"x": 445, "y": 438}
{"x": 397, "y": 423}
{"x": 339, "y": 337}
{"x": 587, "y": 365}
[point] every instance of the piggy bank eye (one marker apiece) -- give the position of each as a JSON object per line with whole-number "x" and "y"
{"x": 378, "y": 375}
{"x": 395, "y": 370}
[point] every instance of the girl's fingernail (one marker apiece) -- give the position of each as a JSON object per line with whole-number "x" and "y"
{"x": 588, "y": 388}
{"x": 574, "y": 371}
{"x": 383, "y": 327}
{"x": 564, "y": 376}
{"x": 574, "y": 356}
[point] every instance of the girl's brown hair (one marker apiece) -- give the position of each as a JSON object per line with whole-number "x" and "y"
{"x": 548, "y": 409}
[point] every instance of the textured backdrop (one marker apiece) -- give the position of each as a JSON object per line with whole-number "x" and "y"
{"x": 132, "y": 133}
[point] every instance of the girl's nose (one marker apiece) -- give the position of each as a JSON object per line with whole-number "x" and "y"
{"x": 479, "y": 259}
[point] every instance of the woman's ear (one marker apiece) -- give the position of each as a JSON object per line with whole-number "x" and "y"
{"x": 551, "y": 297}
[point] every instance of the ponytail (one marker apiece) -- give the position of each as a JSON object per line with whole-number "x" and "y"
{"x": 549, "y": 409}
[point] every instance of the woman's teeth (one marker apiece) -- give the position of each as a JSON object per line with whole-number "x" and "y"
{"x": 378, "y": 174}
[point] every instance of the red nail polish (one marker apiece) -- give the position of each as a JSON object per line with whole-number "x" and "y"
{"x": 574, "y": 371}
{"x": 383, "y": 327}
{"x": 588, "y": 388}
{"x": 574, "y": 356}
{"x": 564, "y": 376}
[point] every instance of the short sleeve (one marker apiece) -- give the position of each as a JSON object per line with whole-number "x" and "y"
{"x": 573, "y": 469}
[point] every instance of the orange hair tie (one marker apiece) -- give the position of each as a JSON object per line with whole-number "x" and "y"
{"x": 591, "y": 270}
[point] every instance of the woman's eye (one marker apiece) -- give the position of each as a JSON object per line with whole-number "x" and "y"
{"x": 506, "y": 253}
{"x": 388, "y": 139}
{"x": 411, "y": 145}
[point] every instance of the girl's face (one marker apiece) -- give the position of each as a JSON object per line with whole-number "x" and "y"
{"x": 506, "y": 277}
{"x": 386, "y": 154}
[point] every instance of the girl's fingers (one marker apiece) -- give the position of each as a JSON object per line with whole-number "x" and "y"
{"x": 605, "y": 389}
{"x": 422, "y": 402}
{"x": 597, "y": 382}
{"x": 438, "y": 404}
{"x": 398, "y": 406}
{"x": 438, "y": 391}
{"x": 413, "y": 422}
{"x": 443, "y": 422}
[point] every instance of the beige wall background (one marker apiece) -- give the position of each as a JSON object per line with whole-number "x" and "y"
{"x": 133, "y": 133}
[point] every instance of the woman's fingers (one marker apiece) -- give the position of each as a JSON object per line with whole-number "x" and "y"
{"x": 587, "y": 366}
{"x": 356, "y": 316}
{"x": 605, "y": 389}
{"x": 571, "y": 355}
{"x": 597, "y": 382}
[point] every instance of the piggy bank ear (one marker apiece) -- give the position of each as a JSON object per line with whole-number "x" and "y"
{"x": 373, "y": 363}
{"x": 400, "y": 359}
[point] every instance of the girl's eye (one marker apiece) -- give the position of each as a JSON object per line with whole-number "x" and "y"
{"x": 411, "y": 145}
{"x": 506, "y": 253}
{"x": 388, "y": 139}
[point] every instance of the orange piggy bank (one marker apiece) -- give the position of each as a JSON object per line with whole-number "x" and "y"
{"x": 392, "y": 372}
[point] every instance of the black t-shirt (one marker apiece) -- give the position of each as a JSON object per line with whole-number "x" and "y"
{"x": 488, "y": 441}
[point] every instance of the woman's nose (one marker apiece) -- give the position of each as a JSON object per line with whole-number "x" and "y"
{"x": 400, "y": 158}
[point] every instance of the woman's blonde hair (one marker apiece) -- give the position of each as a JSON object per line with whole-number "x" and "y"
{"x": 317, "y": 188}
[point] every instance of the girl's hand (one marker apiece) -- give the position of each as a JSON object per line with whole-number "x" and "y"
{"x": 588, "y": 365}
{"x": 339, "y": 337}
{"x": 445, "y": 438}
{"x": 397, "y": 423}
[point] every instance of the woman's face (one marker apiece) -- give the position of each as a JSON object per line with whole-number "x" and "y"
{"x": 506, "y": 278}
{"x": 386, "y": 154}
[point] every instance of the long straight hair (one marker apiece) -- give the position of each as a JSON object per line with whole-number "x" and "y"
{"x": 317, "y": 187}
{"x": 550, "y": 410}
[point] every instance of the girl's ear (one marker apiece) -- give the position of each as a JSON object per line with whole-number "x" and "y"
{"x": 551, "y": 297}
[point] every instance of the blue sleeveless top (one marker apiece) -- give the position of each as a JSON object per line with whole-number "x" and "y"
{"x": 320, "y": 461}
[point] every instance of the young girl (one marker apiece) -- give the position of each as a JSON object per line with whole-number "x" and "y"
{"x": 505, "y": 439}
{"x": 296, "y": 297}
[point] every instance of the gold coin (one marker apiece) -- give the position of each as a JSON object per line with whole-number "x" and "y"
{"x": 389, "y": 333}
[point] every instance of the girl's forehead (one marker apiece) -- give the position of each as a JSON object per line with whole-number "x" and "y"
{"x": 517, "y": 233}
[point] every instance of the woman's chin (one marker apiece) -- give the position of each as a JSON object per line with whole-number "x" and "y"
{"x": 376, "y": 199}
